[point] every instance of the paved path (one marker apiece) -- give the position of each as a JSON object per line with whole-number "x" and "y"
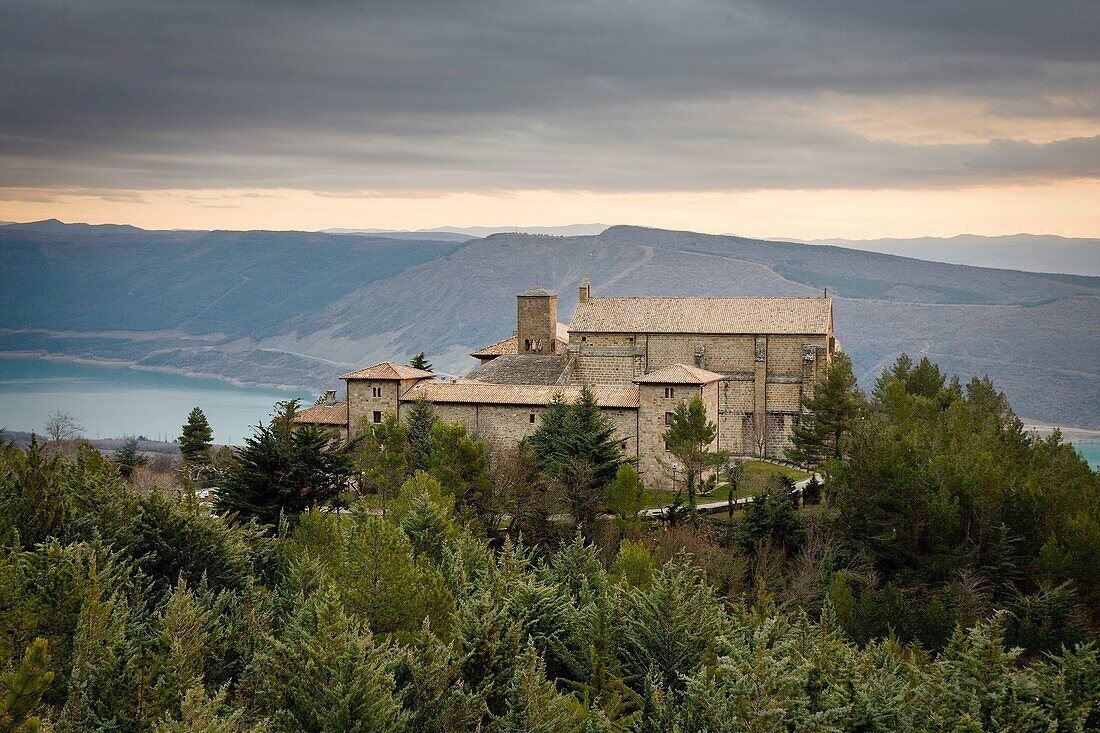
{"x": 717, "y": 506}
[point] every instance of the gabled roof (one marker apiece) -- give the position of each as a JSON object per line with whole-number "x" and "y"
{"x": 520, "y": 369}
{"x": 703, "y": 315}
{"x": 388, "y": 370}
{"x": 680, "y": 374}
{"x": 535, "y": 395}
{"x": 334, "y": 414}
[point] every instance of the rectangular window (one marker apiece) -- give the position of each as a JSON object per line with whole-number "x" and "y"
{"x": 376, "y": 391}
{"x": 377, "y": 416}
{"x": 622, "y": 446}
{"x": 668, "y": 418}
{"x": 531, "y": 417}
{"x": 670, "y": 393}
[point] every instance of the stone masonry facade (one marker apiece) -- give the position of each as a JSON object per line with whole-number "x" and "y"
{"x": 751, "y": 360}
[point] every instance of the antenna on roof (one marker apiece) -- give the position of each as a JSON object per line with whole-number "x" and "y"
{"x": 826, "y": 295}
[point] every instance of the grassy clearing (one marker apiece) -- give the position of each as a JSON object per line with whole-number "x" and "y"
{"x": 756, "y": 477}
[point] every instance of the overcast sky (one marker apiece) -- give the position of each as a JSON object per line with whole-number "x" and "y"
{"x": 770, "y": 118}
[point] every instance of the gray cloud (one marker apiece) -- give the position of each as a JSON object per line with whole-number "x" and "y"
{"x": 335, "y": 96}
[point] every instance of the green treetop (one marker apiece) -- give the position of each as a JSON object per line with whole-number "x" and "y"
{"x": 420, "y": 361}
{"x": 285, "y": 469}
{"x": 688, "y": 438}
{"x": 197, "y": 439}
{"x": 830, "y": 413}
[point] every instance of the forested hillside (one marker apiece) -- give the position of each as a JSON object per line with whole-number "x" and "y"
{"x": 298, "y": 308}
{"x": 943, "y": 578}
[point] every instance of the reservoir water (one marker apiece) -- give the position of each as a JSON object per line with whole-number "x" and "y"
{"x": 112, "y": 401}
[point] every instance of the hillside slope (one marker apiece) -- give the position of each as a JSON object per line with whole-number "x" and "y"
{"x": 298, "y": 308}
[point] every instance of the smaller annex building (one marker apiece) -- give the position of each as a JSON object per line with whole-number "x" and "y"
{"x": 751, "y": 360}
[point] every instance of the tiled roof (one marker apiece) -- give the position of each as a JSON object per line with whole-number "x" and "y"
{"x": 703, "y": 315}
{"x": 334, "y": 414}
{"x": 520, "y": 369}
{"x": 679, "y": 374}
{"x": 388, "y": 370}
{"x": 468, "y": 392}
{"x": 510, "y": 345}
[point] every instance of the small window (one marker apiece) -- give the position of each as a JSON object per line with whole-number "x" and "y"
{"x": 378, "y": 416}
{"x": 527, "y": 344}
{"x": 584, "y": 338}
{"x": 670, "y": 393}
{"x": 622, "y": 446}
{"x": 376, "y": 391}
{"x": 531, "y": 417}
{"x": 630, "y": 340}
{"x": 668, "y": 418}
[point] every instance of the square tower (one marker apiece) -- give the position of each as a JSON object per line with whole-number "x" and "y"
{"x": 536, "y": 321}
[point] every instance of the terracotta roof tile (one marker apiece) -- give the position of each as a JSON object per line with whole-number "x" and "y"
{"x": 469, "y": 391}
{"x": 680, "y": 374}
{"x": 388, "y": 370}
{"x": 703, "y": 315}
{"x": 510, "y": 345}
{"x": 520, "y": 369}
{"x": 334, "y": 414}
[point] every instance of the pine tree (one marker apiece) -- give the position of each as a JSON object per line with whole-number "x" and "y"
{"x": 285, "y": 469}
{"x": 575, "y": 444}
{"x": 21, "y": 690}
{"x": 549, "y": 439}
{"x": 689, "y": 438}
{"x": 420, "y": 361}
{"x": 419, "y": 421}
{"x": 828, "y": 415}
{"x": 381, "y": 455}
{"x": 461, "y": 465}
{"x": 127, "y": 457}
{"x": 197, "y": 439}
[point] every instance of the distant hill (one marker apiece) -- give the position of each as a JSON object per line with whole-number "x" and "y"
{"x": 301, "y": 307}
{"x": 1030, "y": 252}
{"x": 58, "y": 227}
{"x": 466, "y": 233}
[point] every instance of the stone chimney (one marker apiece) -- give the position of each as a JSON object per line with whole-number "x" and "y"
{"x": 537, "y": 321}
{"x": 330, "y": 398}
{"x": 586, "y": 291}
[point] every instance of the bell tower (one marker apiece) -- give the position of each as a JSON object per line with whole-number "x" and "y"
{"x": 537, "y": 321}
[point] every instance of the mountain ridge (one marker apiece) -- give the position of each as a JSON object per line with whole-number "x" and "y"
{"x": 295, "y": 307}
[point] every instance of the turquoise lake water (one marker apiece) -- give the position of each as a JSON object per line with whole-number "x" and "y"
{"x": 1091, "y": 452}
{"x": 112, "y": 401}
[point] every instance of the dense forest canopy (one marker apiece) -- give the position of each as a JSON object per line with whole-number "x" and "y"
{"x": 415, "y": 581}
